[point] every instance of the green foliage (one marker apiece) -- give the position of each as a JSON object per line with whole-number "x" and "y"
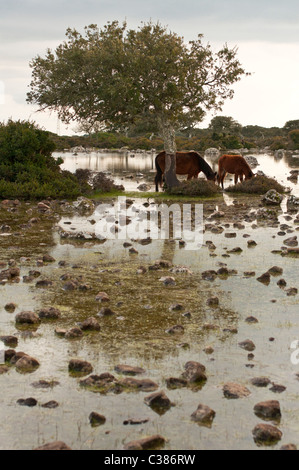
{"x": 195, "y": 188}
{"x": 294, "y": 136}
{"x": 256, "y": 185}
{"x": 117, "y": 77}
{"x": 27, "y": 169}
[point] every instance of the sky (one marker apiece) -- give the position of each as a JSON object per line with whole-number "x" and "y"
{"x": 266, "y": 33}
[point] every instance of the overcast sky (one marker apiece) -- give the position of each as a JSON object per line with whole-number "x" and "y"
{"x": 266, "y": 33}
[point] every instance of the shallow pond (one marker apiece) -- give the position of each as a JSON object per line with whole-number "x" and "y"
{"x": 138, "y": 333}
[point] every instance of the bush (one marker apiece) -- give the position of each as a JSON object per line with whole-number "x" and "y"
{"x": 195, "y": 188}
{"x": 256, "y": 185}
{"x": 103, "y": 184}
{"x": 28, "y": 170}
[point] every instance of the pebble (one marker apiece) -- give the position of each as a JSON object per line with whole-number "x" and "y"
{"x": 266, "y": 434}
{"x": 235, "y": 391}
{"x": 268, "y": 410}
{"x": 203, "y": 415}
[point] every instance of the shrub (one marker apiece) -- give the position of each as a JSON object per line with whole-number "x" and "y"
{"x": 28, "y": 170}
{"x": 257, "y": 185}
{"x": 105, "y": 185}
{"x": 195, "y": 188}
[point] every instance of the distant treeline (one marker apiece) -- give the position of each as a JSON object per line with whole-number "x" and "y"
{"x": 223, "y": 133}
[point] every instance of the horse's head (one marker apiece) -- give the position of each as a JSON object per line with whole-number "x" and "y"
{"x": 213, "y": 177}
{"x": 250, "y": 175}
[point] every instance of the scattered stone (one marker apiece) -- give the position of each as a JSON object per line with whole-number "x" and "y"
{"x": 209, "y": 275}
{"x": 134, "y": 421}
{"x": 148, "y": 443}
{"x": 272, "y": 197}
{"x": 282, "y": 283}
{"x": 51, "y": 405}
{"x": 27, "y": 364}
{"x": 29, "y": 318}
{"x": 31, "y": 402}
{"x": 194, "y": 372}
{"x": 176, "y": 329}
{"x": 90, "y": 324}
{"x": 105, "y": 312}
{"x": 275, "y": 271}
{"x": 9, "y": 341}
{"x": 73, "y": 333}
{"x": 48, "y": 259}
{"x": 289, "y": 447}
{"x": 145, "y": 385}
{"x": 292, "y": 291}
{"x": 128, "y": 370}
{"x": 50, "y": 313}
{"x": 203, "y": 415}
{"x": 10, "y": 308}
{"x": 230, "y": 235}
{"x": 45, "y": 384}
{"x": 44, "y": 283}
{"x": 268, "y": 410}
{"x": 251, "y": 320}
{"x": 213, "y": 302}
{"x": 261, "y": 382}
{"x": 158, "y": 401}
{"x": 266, "y": 434}
{"x": 209, "y": 350}
{"x": 173, "y": 383}
{"x": 79, "y": 366}
{"x": 176, "y": 307}
{"x": 251, "y": 243}
{"x": 3, "y": 369}
{"x": 102, "y": 297}
{"x": 292, "y": 242}
{"x": 235, "y": 391}
{"x": 248, "y": 345}
{"x": 96, "y": 419}
{"x": 265, "y": 278}
{"x": 58, "y": 445}
{"x": 278, "y": 388}
{"x": 168, "y": 281}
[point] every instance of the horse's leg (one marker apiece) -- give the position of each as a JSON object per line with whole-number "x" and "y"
{"x": 236, "y": 178}
{"x": 241, "y": 177}
{"x": 222, "y": 178}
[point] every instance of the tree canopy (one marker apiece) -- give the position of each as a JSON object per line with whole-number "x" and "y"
{"x": 115, "y": 76}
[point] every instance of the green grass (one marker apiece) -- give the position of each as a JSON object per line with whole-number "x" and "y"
{"x": 161, "y": 196}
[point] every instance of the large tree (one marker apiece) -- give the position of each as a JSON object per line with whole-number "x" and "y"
{"x": 115, "y": 76}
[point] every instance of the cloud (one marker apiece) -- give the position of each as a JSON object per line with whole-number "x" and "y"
{"x": 235, "y": 20}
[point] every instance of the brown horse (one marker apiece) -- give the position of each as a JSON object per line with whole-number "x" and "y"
{"x": 234, "y": 164}
{"x": 187, "y": 163}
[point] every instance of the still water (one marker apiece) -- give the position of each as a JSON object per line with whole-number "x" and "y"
{"x": 132, "y": 169}
{"x": 137, "y": 333}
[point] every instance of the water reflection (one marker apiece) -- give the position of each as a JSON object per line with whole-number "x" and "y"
{"x": 131, "y": 171}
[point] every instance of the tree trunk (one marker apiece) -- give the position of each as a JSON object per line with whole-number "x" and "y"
{"x": 168, "y": 135}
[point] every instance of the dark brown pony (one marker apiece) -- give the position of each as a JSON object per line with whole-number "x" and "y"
{"x": 187, "y": 163}
{"x": 234, "y": 164}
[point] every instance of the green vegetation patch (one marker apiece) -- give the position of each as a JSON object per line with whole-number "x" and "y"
{"x": 257, "y": 185}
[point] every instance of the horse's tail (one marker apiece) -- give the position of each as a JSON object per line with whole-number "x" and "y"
{"x": 159, "y": 174}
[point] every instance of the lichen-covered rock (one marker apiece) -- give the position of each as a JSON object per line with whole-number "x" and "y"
{"x": 80, "y": 366}
{"x": 148, "y": 443}
{"x": 272, "y": 197}
{"x": 203, "y": 415}
{"x": 235, "y": 391}
{"x": 266, "y": 434}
